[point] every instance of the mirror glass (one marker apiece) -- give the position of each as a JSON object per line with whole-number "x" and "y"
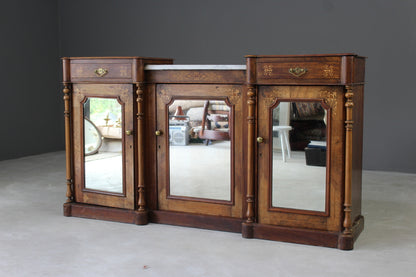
{"x": 299, "y": 156}
{"x": 200, "y": 149}
{"x": 103, "y": 145}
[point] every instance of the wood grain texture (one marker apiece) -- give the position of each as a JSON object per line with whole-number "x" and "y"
{"x": 203, "y": 221}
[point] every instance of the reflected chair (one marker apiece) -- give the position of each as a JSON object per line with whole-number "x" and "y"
{"x": 284, "y": 140}
{"x": 214, "y": 113}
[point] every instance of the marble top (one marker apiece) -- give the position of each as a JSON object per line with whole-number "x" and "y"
{"x": 194, "y": 67}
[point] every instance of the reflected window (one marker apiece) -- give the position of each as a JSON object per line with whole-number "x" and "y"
{"x": 200, "y": 149}
{"x": 299, "y": 151}
{"x": 103, "y": 145}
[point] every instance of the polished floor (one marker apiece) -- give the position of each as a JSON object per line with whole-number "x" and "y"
{"x": 36, "y": 240}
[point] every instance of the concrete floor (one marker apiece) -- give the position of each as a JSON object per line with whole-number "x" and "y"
{"x": 36, "y": 240}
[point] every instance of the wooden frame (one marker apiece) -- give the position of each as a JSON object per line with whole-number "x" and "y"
{"x": 231, "y": 94}
{"x": 334, "y": 80}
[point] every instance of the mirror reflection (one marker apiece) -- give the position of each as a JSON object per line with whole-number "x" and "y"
{"x": 103, "y": 145}
{"x": 200, "y": 149}
{"x": 299, "y": 156}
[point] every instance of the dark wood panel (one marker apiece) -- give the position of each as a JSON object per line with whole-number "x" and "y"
{"x": 296, "y": 235}
{"x": 100, "y": 213}
{"x": 228, "y": 224}
{"x": 299, "y": 71}
{"x": 101, "y": 72}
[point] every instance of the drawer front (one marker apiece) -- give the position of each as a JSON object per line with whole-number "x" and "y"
{"x": 294, "y": 71}
{"x": 101, "y": 72}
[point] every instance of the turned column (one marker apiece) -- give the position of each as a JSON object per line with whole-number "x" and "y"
{"x": 67, "y": 114}
{"x": 67, "y": 90}
{"x": 349, "y": 104}
{"x": 346, "y": 239}
{"x": 247, "y": 228}
{"x": 251, "y": 103}
{"x": 138, "y": 80}
{"x": 141, "y": 199}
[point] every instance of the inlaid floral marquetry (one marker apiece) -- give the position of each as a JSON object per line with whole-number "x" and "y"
{"x": 328, "y": 71}
{"x": 195, "y": 75}
{"x": 124, "y": 71}
{"x": 267, "y": 70}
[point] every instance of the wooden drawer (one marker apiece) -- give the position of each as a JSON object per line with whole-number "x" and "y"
{"x": 299, "y": 70}
{"x": 105, "y": 71}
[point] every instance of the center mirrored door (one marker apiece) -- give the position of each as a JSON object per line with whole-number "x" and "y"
{"x": 196, "y": 141}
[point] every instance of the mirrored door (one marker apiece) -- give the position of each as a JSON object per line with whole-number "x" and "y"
{"x": 104, "y": 138}
{"x": 298, "y": 177}
{"x": 199, "y": 169}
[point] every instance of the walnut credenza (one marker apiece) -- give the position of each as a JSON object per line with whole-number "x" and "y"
{"x": 271, "y": 149}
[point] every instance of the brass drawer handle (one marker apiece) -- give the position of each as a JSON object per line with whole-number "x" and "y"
{"x": 100, "y": 72}
{"x": 260, "y": 140}
{"x": 297, "y": 71}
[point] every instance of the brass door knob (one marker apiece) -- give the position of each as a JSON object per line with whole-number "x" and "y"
{"x": 129, "y": 132}
{"x": 260, "y": 140}
{"x": 158, "y": 133}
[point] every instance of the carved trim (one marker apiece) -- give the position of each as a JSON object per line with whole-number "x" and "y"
{"x": 235, "y": 95}
{"x": 349, "y": 104}
{"x": 69, "y": 190}
{"x": 139, "y": 93}
{"x": 270, "y": 96}
{"x": 164, "y": 96}
{"x": 330, "y": 98}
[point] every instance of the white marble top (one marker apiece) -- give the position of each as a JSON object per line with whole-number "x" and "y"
{"x": 194, "y": 67}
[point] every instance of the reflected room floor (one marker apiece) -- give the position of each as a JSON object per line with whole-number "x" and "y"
{"x": 297, "y": 185}
{"x": 103, "y": 171}
{"x": 37, "y": 240}
{"x": 202, "y": 171}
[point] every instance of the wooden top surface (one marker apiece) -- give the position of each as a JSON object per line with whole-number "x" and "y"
{"x": 113, "y": 57}
{"x": 306, "y": 55}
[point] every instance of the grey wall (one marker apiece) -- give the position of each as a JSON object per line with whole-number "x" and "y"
{"x": 30, "y": 103}
{"x": 220, "y": 31}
